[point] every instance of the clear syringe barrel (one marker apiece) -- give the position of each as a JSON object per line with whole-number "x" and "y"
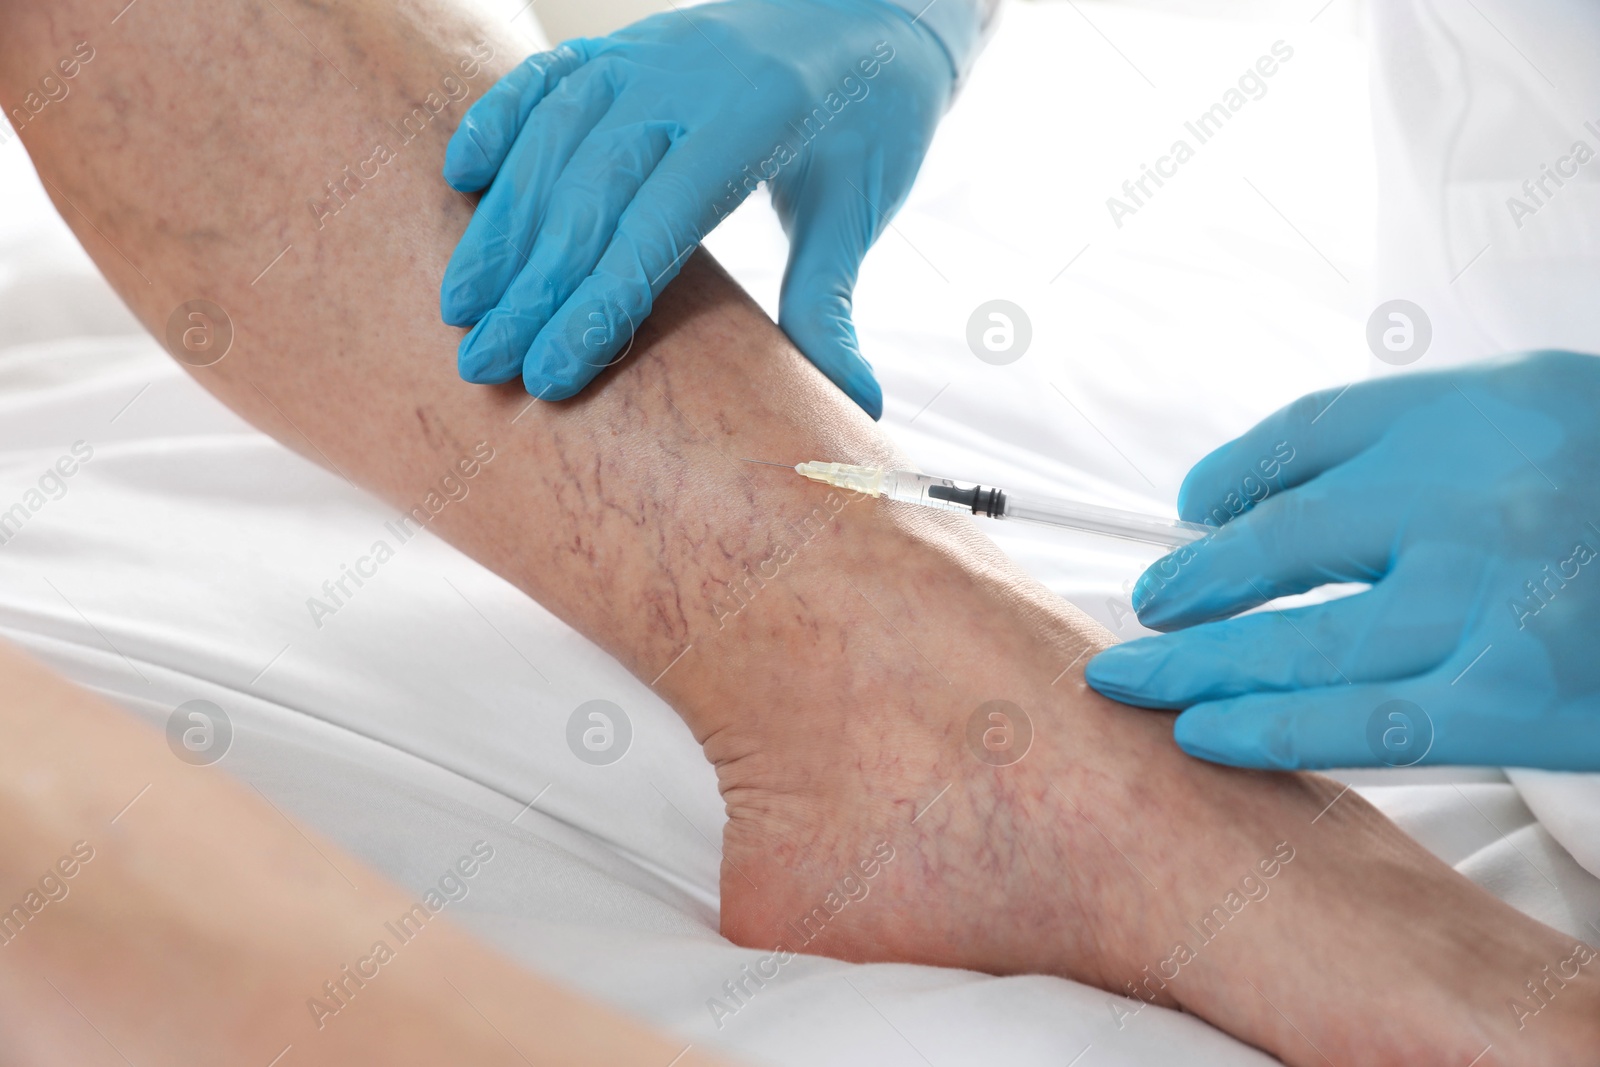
{"x": 945, "y": 494}
{"x": 909, "y": 487}
{"x": 1111, "y": 522}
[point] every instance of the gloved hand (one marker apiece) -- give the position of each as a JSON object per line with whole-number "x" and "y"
{"x": 1470, "y": 499}
{"x": 612, "y": 158}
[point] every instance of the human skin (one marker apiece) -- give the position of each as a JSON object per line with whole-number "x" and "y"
{"x": 834, "y": 694}
{"x": 203, "y": 922}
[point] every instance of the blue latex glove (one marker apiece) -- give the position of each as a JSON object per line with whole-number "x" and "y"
{"x": 612, "y": 158}
{"x": 1470, "y": 499}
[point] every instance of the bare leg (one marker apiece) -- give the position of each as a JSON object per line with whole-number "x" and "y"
{"x": 830, "y": 656}
{"x": 181, "y": 920}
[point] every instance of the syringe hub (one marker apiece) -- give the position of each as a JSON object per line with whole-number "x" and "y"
{"x": 868, "y": 480}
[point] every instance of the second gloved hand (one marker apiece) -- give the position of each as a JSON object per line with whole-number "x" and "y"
{"x": 1469, "y": 499}
{"x": 612, "y": 158}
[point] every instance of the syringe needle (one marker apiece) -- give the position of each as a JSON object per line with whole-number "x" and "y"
{"x": 769, "y": 463}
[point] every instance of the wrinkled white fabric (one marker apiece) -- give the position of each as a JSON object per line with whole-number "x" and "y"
{"x": 1489, "y": 209}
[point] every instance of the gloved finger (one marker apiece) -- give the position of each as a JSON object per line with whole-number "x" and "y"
{"x": 1368, "y": 637}
{"x": 1314, "y": 434}
{"x": 490, "y": 127}
{"x": 599, "y": 183}
{"x": 829, "y": 238}
{"x": 495, "y": 246}
{"x": 1327, "y": 531}
{"x": 655, "y": 236}
{"x": 1386, "y": 724}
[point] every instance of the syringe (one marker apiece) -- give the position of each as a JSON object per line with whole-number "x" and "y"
{"x": 909, "y": 487}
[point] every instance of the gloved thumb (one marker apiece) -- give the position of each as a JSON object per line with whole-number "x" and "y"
{"x": 825, "y": 254}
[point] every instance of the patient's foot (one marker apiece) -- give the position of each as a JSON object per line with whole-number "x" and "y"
{"x": 876, "y": 813}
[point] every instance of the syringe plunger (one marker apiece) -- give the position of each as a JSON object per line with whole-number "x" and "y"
{"x": 910, "y": 487}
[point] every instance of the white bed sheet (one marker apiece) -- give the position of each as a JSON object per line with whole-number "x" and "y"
{"x": 430, "y": 711}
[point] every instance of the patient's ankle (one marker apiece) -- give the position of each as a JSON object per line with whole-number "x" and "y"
{"x": 838, "y": 703}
